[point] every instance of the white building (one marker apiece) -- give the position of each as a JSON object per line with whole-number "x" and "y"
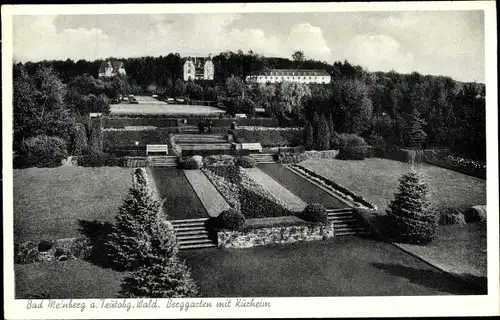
{"x": 110, "y": 69}
{"x": 290, "y": 75}
{"x": 198, "y": 69}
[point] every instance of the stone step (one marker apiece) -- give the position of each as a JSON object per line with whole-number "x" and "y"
{"x": 351, "y": 233}
{"x": 195, "y": 241}
{"x": 348, "y": 229}
{"x": 197, "y": 246}
{"x": 189, "y": 225}
{"x": 183, "y": 238}
{"x": 189, "y": 228}
{"x": 339, "y": 210}
{"x": 173, "y": 222}
{"x": 191, "y": 232}
{"x": 342, "y": 219}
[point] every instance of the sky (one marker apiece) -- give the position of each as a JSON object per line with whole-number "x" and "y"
{"x": 449, "y": 43}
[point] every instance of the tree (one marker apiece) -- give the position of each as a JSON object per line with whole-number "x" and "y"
{"x": 323, "y": 134}
{"x": 80, "y": 141}
{"x": 298, "y": 58}
{"x": 414, "y": 133}
{"x": 168, "y": 279}
{"x": 309, "y": 136}
{"x": 289, "y": 99}
{"x": 152, "y": 88}
{"x": 139, "y": 237}
{"x": 179, "y": 88}
{"x": 412, "y": 219}
{"x": 315, "y": 125}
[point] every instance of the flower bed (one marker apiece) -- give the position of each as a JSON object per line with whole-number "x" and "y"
{"x": 343, "y": 192}
{"x": 462, "y": 165}
{"x": 244, "y": 194}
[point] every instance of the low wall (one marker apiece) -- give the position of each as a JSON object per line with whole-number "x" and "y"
{"x": 270, "y": 235}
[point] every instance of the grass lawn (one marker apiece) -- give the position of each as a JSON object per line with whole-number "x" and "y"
{"x": 456, "y": 249}
{"x": 48, "y": 202}
{"x": 76, "y": 279}
{"x": 180, "y": 200}
{"x": 300, "y": 187}
{"x": 377, "y": 180}
{"x": 343, "y": 266}
{"x": 159, "y": 107}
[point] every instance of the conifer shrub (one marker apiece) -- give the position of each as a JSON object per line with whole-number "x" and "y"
{"x": 42, "y": 151}
{"x": 315, "y": 212}
{"x": 246, "y": 162}
{"x": 323, "y": 134}
{"x": 80, "y": 143}
{"x": 169, "y": 279}
{"x": 231, "y": 219}
{"x": 309, "y": 136}
{"x": 352, "y": 147}
{"x": 449, "y": 216}
{"x": 411, "y": 217}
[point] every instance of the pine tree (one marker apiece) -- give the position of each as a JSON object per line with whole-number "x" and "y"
{"x": 414, "y": 133}
{"x": 412, "y": 219}
{"x": 140, "y": 236}
{"x": 330, "y": 124}
{"x": 309, "y": 136}
{"x": 169, "y": 279}
{"x": 315, "y": 125}
{"x": 323, "y": 134}
{"x": 96, "y": 137}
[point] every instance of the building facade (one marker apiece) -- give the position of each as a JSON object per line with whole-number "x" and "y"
{"x": 289, "y": 75}
{"x": 110, "y": 69}
{"x": 198, "y": 68}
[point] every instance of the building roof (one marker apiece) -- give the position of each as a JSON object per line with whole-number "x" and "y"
{"x": 290, "y": 72}
{"x": 116, "y": 65}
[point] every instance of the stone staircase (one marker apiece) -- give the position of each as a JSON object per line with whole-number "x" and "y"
{"x": 163, "y": 161}
{"x": 263, "y": 157}
{"x": 344, "y": 222}
{"x": 188, "y": 129}
{"x": 192, "y": 234}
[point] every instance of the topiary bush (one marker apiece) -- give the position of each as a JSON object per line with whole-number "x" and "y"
{"x": 352, "y": 147}
{"x": 315, "y": 212}
{"x": 189, "y": 164}
{"x": 412, "y": 219}
{"x": 449, "y": 216}
{"x": 475, "y": 214}
{"x": 231, "y": 220}
{"x": 80, "y": 143}
{"x": 246, "y": 162}
{"x": 45, "y": 246}
{"x": 42, "y": 151}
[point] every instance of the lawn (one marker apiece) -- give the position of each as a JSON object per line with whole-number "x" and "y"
{"x": 73, "y": 279}
{"x": 456, "y": 249}
{"x": 377, "y": 180}
{"x": 180, "y": 200}
{"x": 343, "y": 266}
{"x": 160, "y": 107}
{"x": 48, "y": 202}
{"x": 300, "y": 187}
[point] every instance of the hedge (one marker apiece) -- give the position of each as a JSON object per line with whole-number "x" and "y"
{"x": 270, "y": 137}
{"x": 174, "y": 121}
{"x": 315, "y": 212}
{"x": 126, "y": 139}
{"x": 41, "y": 151}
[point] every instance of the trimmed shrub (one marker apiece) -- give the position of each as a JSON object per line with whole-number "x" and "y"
{"x": 352, "y": 147}
{"x": 335, "y": 140}
{"x": 475, "y": 214}
{"x": 309, "y": 136}
{"x": 323, "y": 134}
{"x": 271, "y": 136}
{"x": 231, "y": 220}
{"x": 169, "y": 279}
{"x": 449, "y": 216}
{"x": 42, "y": 151}
{"x": 189, "y": 164}
{"x": 286, "y": 157}
{"x": 254, "y": 205}
{"x": 412, "y": 218}
{"x": 315, "y": 212}
{"x": 25, "y": 253}
{"x": 45, "y": 246}
{"x": 246, "y": 162}
{"x": 80, "y": 143}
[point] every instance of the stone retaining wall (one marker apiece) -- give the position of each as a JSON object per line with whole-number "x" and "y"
{"x": 269, "y": 235}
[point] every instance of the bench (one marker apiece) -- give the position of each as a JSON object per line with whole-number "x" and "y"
{"x": 156, "y": 148}
{"x": 252, "y": 146}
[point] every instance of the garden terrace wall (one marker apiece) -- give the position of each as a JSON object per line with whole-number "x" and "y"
{"x": 123, "y": 139}
{"x": 271, "y": 136}
{"x": 166, "y": 121}
{"x": 274, "y": 235}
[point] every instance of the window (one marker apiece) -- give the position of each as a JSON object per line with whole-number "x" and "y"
{"x": 309, "y": 78}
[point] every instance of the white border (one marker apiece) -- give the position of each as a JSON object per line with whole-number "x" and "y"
{"x": 281, "y": 307}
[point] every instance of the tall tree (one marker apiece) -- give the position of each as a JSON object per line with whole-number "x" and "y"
{"x": 323, "y": 134}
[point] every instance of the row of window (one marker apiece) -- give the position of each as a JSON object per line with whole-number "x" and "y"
{"x": 293, "y": 78}
{"x": 292, "y": 73}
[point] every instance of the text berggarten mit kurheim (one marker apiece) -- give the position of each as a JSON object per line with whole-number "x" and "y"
{"x": 146, "y": 304}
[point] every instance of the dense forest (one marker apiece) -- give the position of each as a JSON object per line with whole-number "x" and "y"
{"x": 380, "y": 106}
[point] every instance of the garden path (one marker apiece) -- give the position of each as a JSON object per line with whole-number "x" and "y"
{"x": 211, "y": 199}
{"x": 293, "y": 202}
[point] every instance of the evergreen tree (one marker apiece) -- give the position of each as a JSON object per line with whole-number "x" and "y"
{"x": 315, "y": 125}
{"x": 168, "y": 279}
{"x": 412, "y": 219}
{"x": 80, "y": 140}
{"x": 96, "y": 137}
{"x": 309, "y": 136}
{"x": 323, "y": 134}
{"x": 139, "y": 236}
{"x": 414, "y": 134}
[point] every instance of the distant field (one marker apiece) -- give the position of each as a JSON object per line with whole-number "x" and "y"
{"x": 49, "y": 201}
{"x": 148, "y": 105}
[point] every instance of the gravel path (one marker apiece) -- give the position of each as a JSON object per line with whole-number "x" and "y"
{"x": 211, "y": 199}
{"x": 293, "y": 202}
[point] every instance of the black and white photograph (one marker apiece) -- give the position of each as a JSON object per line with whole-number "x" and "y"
{"x": 232, "y": 160}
